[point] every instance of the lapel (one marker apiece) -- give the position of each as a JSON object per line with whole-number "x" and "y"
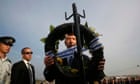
{"x": 23, "y": 65}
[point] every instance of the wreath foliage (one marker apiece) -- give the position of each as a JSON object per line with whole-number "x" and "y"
{"x": 58, "y": 33}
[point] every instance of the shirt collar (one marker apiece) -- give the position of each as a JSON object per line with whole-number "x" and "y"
{"x": 3, "y": 59}
{"x": 25, "y": 61}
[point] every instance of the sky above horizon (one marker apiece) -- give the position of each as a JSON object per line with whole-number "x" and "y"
{"x": 117, "y": 20}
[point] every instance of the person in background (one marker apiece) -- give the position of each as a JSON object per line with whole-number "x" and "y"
{"x": 51, "y": 72}
{"x": 23, "y": 71}
{"x": 6, "y": 42}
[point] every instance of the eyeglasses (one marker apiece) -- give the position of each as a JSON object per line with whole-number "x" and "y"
{"x": 28, "y": 53}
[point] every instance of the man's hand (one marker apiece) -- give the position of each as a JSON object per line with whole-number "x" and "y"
{"x": 101, "y": 64}
{"x": 48, "y": 61}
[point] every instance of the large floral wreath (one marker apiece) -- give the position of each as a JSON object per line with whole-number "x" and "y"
{"x": 90, "y": 41}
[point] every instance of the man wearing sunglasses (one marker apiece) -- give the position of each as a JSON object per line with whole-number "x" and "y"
{"x": 6, "y": 42}
{"x": 23, "y": 71}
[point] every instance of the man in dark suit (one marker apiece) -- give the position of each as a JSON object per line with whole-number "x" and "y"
{"x": 23, "y": 72}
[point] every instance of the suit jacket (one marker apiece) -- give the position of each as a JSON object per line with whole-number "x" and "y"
{"x": 20, "y": 74}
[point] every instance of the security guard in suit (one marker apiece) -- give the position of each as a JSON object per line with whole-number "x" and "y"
{"x": 6, "y": 42}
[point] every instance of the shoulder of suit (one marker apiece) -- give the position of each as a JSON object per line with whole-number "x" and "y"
{"x": 18, "y": 63}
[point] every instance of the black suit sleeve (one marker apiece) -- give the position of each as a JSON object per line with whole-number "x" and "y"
{"x": 14, "y": 74}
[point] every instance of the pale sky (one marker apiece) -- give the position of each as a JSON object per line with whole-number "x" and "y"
{"x": 118, "y": 20}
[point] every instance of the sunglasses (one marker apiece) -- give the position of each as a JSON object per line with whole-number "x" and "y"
{"x": 28, "y": 53}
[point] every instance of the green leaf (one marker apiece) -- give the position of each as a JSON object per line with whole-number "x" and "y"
{"x": 43, "y": 40}
{"x": 51, "y": 28}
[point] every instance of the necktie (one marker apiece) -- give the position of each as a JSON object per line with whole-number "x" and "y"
{"x": 30, "y": 73}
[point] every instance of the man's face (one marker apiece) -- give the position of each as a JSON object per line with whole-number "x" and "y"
{"x": 27, "y": 54}
{"x": 70, "y": 40}
{"x": 4, "y": 48}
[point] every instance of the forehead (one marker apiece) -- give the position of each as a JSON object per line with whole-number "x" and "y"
{"x": 27, "y": 49}
{"x": 70, "y": 36}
